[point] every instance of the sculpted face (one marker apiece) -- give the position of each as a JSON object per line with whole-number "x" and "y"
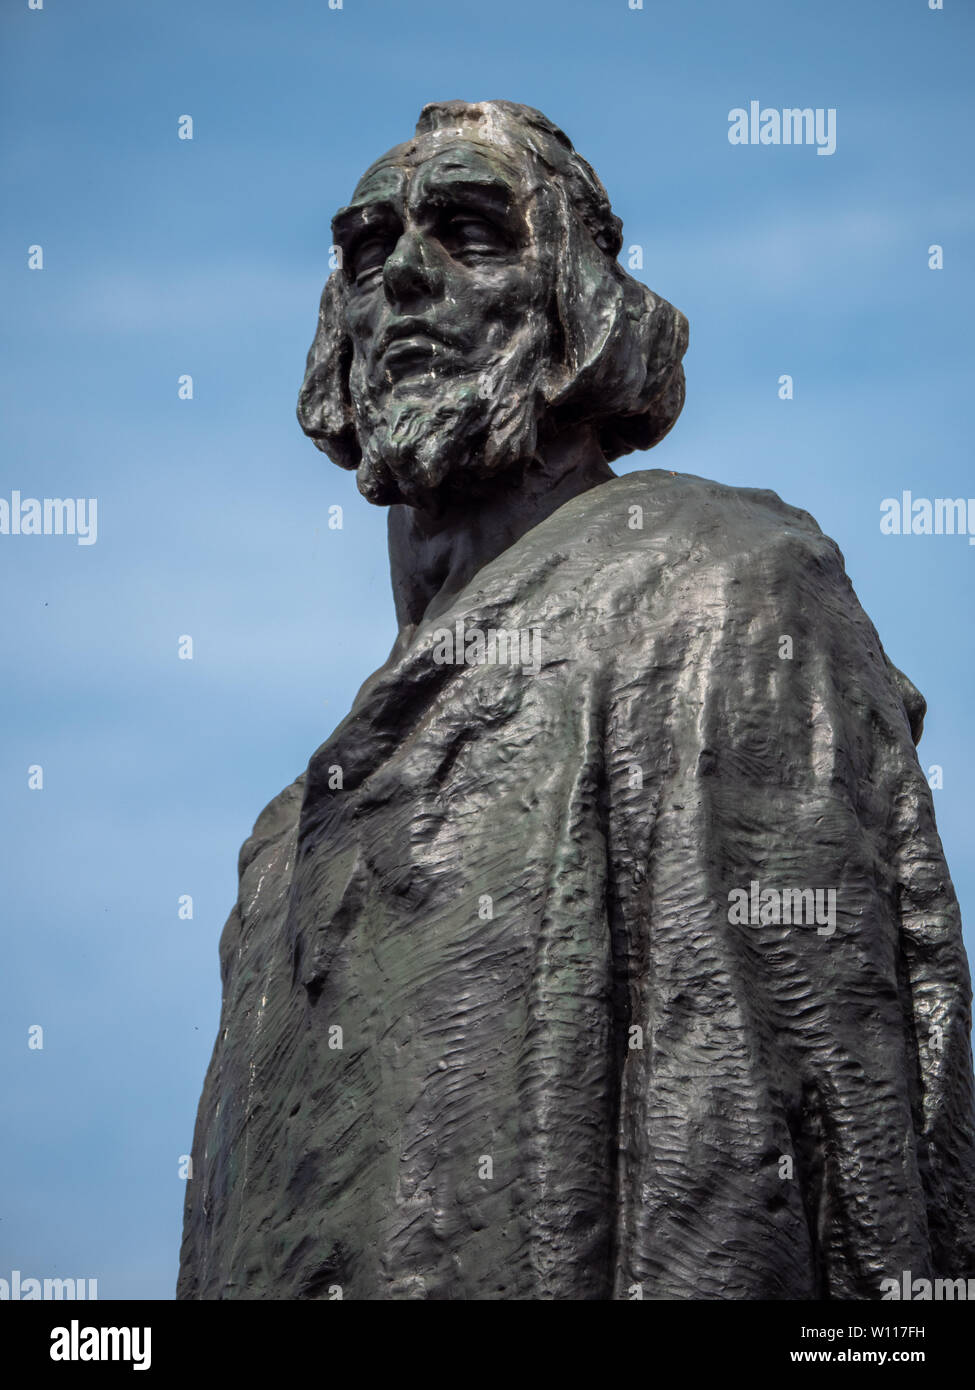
{"x": 479, "y": 311}
{"x": 446, "y": 309}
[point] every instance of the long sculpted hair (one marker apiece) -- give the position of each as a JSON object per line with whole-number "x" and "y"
{"x": 617, "y": 346}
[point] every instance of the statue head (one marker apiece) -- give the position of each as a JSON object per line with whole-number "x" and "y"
{"x": 479, "y": 310}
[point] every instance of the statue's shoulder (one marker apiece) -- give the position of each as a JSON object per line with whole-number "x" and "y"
{"x": 264, "y": 868}
{"x": 278, "y": 821}
{"x": 699, "y": 519}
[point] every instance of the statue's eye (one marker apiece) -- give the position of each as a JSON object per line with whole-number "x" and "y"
{"x": 464, "y": 232}
{"x": 368, "y": 258}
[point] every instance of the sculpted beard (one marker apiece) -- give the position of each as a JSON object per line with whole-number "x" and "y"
{"x": 421, "y": 441}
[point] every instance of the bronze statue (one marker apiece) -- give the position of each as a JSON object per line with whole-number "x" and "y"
{"x": 607, "y": 948}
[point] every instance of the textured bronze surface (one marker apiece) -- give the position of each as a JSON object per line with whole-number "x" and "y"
{"x": 566, "y": 1066}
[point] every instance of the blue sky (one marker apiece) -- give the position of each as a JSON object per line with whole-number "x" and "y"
{"x": 164, "y": 256}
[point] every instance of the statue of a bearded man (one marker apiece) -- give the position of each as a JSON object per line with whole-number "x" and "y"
{"x": 607, "y": 948}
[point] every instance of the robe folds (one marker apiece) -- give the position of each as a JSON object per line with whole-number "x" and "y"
{"x": 489, "y": 1030}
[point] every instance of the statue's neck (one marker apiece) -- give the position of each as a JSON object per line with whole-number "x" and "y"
{"x": 432, "y": 558}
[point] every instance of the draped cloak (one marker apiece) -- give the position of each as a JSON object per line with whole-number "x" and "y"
{"x": 488, "y": 1031}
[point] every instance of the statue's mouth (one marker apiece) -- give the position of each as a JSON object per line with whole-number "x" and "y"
{"x": 408, "y": 356}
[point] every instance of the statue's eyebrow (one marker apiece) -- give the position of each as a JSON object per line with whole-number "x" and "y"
{"x": 358, "y": 217}
{"x": 490, "y": 195}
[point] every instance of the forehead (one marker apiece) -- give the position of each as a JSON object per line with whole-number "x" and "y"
{"x": 449, "y": 161}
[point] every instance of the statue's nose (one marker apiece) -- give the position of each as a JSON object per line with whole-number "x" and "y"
{"x": 408, "y": 273}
